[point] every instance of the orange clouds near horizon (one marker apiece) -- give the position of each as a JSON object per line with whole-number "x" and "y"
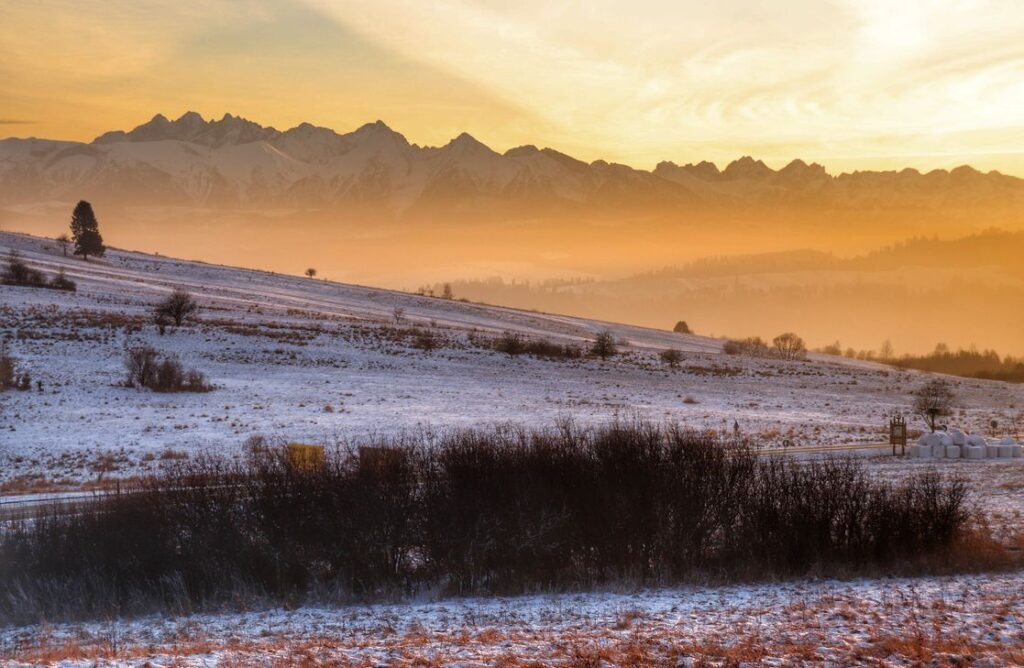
{"x": 850, "y": 84}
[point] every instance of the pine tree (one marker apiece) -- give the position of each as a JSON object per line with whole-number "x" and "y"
{"x": 85, "y": 232}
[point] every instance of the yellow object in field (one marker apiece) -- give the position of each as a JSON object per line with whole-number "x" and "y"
{"x": 306, "y": 457}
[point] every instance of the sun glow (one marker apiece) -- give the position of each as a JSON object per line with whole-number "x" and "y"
{"x": 850, "y": 83}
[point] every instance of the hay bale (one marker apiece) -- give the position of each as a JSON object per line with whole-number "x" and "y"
{"x": 952, "y": 452}
{"x": 974, "y": 452}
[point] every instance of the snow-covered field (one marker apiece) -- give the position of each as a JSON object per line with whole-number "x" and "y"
{"x": 970, "y": 620}
{"x": 308, "y": 360}
{"x": 313, "y": 361}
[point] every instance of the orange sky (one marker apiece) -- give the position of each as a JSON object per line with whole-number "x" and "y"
{"x": 850, "y": 83}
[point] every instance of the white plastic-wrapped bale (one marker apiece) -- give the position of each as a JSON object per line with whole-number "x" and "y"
{"x": 991, "y": 450}
{"x": 958, "y": 437}
{"x": 923, "y": 451}
{"x": 974, "y": 452}
{"x": 934, "y": 444}
{"x": 1005, "y": 451}
{"x": 976, "y": 439}
{"x": 952, "y": 452}
{"x": 1018, "y": 451}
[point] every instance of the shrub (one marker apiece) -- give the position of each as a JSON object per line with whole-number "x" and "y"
{"x": 682, "y": 328}
{"x": 424, "y": 340}
{"x": 514, "y": 344}
{"x": 8, "y": 370}
{"x": 671, "y": 357}
{"x": 474, "y": 511}
{"x": 177, "y": 308}
{"x": 148, "y": 368}
{"x": 604, "y": 345}
{"x": 752, "y": 346}
{"x": 789, "y": 346}
{"x": 17, "y": 272}
{"x": 510, "y": 343}
{"x": 62, "y": 282}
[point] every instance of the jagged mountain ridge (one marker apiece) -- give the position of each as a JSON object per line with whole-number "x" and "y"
{"x": 234, "y": 162}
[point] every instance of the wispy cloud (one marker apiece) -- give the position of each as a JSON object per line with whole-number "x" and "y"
{"x": 16, "y": 121}
{"x": 865, "y": 82}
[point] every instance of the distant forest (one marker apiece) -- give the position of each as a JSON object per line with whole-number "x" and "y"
{"x": 969, "y": 363}
{"x": 965, "y": 291}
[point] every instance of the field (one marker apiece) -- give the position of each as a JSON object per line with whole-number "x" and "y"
{"x": 318, "y": 362}
{"x": 300, "y": 359}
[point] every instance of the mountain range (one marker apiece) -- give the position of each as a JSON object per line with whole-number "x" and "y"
{"x": 235, "y": 163}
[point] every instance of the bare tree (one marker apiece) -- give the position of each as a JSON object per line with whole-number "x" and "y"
{"x": 887, "y": 352}
{"x": 446, "y": 291}
{"x": 64, "y": 241}
{"x": 789, "y": 346}
{"x": 311, "y": 272}
{"x": 671, "y": 357}
{"x": 398, "y": 313}
{"x": 934, "y": 400}
{"x": 604, "y": 345}
{"x": 177, "y": 308}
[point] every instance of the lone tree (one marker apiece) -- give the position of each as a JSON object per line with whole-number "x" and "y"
{"x": 446, "y": 292}
{"x": 311, "y": 272}
{"x": 64, "y": 241}
{"x": 671, "y": 357}
{"x": 85, "y": 232}
{"x": 789, "y": 346}
{"x": 177, "y": 308}
{"x": 604, "y": 345}
{"x": 933, "y": 400}
{"x": 682, "y": 328}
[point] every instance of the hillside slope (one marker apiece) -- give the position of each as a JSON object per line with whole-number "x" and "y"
{"x": 310, "y": 360}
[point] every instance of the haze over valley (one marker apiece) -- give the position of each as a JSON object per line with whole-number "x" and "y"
{"x": 368, "y": 206}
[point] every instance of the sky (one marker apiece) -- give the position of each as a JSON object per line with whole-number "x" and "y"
{"x": 853, "y": 84}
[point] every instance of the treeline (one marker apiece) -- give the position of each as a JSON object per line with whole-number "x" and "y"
{"x": 481, "y": 511}
{"x": 969, "y": 363}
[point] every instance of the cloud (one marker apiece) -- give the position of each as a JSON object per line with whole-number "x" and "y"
{"x": 828, "y": 80}
{"x": 16, "y": 121}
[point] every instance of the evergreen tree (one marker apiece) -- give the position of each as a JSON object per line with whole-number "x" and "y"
{"x": 85, "y": 232}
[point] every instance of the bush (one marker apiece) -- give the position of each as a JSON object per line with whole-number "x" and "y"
{"x": 20, "y": 274}
{"x": 176, "y": 309}
{"x": 476, "y": 511}
{"x": 604, "y": 345}
{"x": 146, "y": 367}
{"x": 62, "y": 282}
{"x": 424, "y": 340}
{"x": 8, "y": 367}
{"x": 682, "y": 328}
{"x": 671, "y": 357}
{"x": 789, "y": 346}
{"x": 512, "y": 344}
{"x": 752, "y": 346}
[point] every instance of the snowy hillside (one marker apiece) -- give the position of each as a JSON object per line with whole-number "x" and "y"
{"x": 316, "y": 361}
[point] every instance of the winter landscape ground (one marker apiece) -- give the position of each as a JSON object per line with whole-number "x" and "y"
{"x": 319, "y": 362}
{"x": 300, "y": 359}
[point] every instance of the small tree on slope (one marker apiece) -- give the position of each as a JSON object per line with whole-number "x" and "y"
{"x": 85, "y": 232}
{"x": 933, "y": 400}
